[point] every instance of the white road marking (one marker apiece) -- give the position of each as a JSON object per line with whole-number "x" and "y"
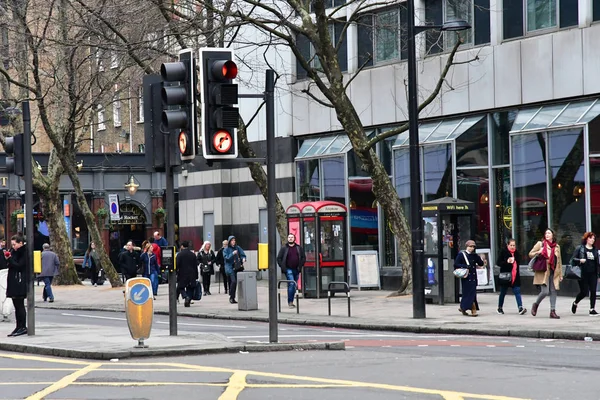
{"x": 158, "y": 322}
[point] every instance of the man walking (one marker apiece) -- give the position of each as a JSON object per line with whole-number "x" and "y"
{"x": 187, "y": 272}
{"x": 50, "y": 269}
{"x": 129, "y": 262}
{"x": 220, "y": 261}
{"x": 291, "y": 259}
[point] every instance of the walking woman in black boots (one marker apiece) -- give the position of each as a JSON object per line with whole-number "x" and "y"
{"x": 206, "y": 263}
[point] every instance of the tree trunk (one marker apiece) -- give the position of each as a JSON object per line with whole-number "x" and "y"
{"x": 260, "y": 178}
{"x": 69, "y": 166}
{"x": 58, "y": 235}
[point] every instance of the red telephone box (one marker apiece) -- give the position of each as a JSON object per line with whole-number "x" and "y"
{"x": 320, "y": 228}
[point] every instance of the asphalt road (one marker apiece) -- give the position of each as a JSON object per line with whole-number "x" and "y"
{"x": 382, "y": 365}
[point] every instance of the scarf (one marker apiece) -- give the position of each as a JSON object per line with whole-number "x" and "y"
{"x": 514, "y": 268}
{"x": 549, "y": 257}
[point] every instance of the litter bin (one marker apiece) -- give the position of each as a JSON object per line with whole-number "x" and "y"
{"x": 247, "y": 297}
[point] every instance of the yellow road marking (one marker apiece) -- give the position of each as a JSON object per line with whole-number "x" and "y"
{"x": 38, "y": 369}
{"x": 236, "y": 384}
{"x": 43, "y": 359}
{"x": 24, "y": 383}
{"x": 64, "y": 382}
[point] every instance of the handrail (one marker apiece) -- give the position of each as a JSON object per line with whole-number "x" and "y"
{"x": 279, "y": 294}
{"x": 330, "y": 290}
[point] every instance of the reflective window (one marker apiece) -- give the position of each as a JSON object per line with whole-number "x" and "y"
{"x": 307, "y": 174}
{"x": 595, "y": 193}
{"x": 355, "y": 165}
{"x": 364, "y": 222}
{"x": 567, "y": 205}
{"x": 502, "y": 124}
{"x": 572, "y": 113}
{"x": 529, "y": 188}
{"x": 305, "y": 147}
{"x": 338, "y": 144}
{"x": 437, "y": 168}
{"x": 541, "y": 14}
{"x": 503, "y": 208}
{"x": 320, "y": 146}
{"x": 333, "y": 179}
{"x": 472, "y": 146}
{"x": 332, "y": 239}
{"x": 545, "y": 117}
{"x": 402, "y": 178}
{"x": 473, "y": 186}
{"x": 443, "y": 130}
{"x": 523, "y": 117}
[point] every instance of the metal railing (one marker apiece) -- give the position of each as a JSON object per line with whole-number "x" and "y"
{"x": 337, "y": 287}
{"x": 279, "y": 295}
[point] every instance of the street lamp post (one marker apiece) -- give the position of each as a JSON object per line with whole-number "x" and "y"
{"x": 418, "y": 272}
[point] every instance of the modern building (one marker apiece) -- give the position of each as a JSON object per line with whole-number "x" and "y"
{"x": 514, "y": 130}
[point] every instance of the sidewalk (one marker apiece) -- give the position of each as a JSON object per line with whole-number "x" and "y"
{"x": 371, "y": 309}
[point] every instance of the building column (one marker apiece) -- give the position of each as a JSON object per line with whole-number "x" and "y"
{"x": 586, "y": 13}
{"x": 14, "y": 203}
{"x": 496, "y": 22}
{"x": 157, "y": 202}
{"x": 98, "y": 202}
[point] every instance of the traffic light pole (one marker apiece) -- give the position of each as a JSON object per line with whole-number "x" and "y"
{"x": 170, "y": 198}
{"x": 28, "y": 217}
{"x": 271, "y": 193}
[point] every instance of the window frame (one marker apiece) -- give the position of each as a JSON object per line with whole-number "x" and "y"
{"x": 521, "y": 6}
{"x": 101, "y": 115}
{"x": 556, "y": 25}
{"x": 116, "y": 106}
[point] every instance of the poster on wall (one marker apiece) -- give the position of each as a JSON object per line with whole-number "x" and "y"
{"x": 485, "y": 273}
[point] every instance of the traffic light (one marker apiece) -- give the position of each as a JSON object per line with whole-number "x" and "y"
{"x": 218, "y": 96}
{"x": 15, "y": 155}
{"x": 179, "y": 96}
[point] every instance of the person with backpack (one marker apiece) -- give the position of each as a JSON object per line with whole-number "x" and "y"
{"x": 206, "y": 263}
{"x": 235, "y": 258}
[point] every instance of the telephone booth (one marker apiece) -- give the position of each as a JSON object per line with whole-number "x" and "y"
{"x": 448, "y": 224}
{"x": 320, "y": 228}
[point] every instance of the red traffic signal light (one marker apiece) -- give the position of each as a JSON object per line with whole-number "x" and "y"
{"x": 223, "y": 70}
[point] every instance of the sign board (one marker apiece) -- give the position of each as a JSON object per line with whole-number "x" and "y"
{"x": 113, "y": 206}
{"x": 168, "y": 257}
{"x": 364, "y": 270}
{"x": 485, "y": 274}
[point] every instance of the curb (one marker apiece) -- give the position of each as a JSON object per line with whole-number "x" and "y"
{"x": 164, "y": 352}
{"x": 442, "y": 329}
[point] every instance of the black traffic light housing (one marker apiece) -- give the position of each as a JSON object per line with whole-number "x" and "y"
{"x": 219, "y": 94}
{"x": 15, "y": 155}
{"x": 179, "y": 103}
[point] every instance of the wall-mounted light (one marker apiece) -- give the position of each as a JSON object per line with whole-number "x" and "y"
{"x": 578, "y": 190}
{"x": 132, "y": 185}
{"x": 485, "y": 198}
{"x": 352, "y": 204}
{"x": 79, "y": 165}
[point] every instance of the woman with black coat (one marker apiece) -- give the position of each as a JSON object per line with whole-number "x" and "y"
{"x": 508, "y": 261}
{"x": 470, "y": 260}
{"x": 586, "y": 256}
{"x": 206, "y": 262}
{"x": 16, "y": 287}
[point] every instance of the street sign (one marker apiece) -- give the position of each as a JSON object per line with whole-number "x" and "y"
{"x": 222, "y": 141}
{"x": 139, "y": 308}
{"x": 114, "y": 210}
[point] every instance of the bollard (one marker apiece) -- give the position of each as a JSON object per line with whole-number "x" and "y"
{"x": 139, "y": 309}
{"x": 331, "y": 288}
{"x": 279, "y": 295}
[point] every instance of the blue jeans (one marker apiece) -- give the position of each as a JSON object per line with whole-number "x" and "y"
{"x": 48, "y": 288}
{"x": 154, "y": 280}
{"x": 516, "y": 291}
{"x": 292, "y": 275}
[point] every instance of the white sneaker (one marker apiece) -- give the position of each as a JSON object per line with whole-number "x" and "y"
{"x": 95, "y": 285}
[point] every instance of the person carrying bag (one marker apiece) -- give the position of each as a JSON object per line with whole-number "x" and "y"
{"x": 585, "y": 257}
{"x": 510, "y": 276}
{"x": 206, "y": 262}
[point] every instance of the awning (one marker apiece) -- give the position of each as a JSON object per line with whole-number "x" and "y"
{"x": 439, "y": 131}
{"x": 330, "y": 145}
{"x": 556, "y": 115}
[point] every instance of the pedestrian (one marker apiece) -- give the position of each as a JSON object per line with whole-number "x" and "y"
{"x": 50, "y": 269}
{"x": 187, "y": 272}
{"x": 509, "y": 264}
{"x": 469, "y": 259}
{"x": 220, "y": 261}
{"x": 16, "y": 287}
{"x": 3, "y": 264}
{"x": 160, "y": 240}
{"x": 235, "y": 258}
{"x": 206, "y": 262}
{"x": 586, "y": 256}
{"x": 150, "y": 267}
{"x": 291, "y": 259}
{"x": 129, "y": 262}
{"x": 91, "y": 262}
{"x": 549, "y": 280}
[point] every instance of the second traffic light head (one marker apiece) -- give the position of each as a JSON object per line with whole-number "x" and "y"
{"x": 15, "y": 155}
{"x": 223, "y": 70}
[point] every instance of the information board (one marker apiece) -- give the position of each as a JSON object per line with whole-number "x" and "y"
{"x": 364, "y": 270}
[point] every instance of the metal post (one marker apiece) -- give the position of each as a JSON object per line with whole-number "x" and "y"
{"x": 170, "y": 198}
{"x": 271, "y": 193}
{"x": 28, "y": 217}
{"x": 418, "y": 274}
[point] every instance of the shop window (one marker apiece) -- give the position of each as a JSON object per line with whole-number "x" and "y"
{"x": 307, "y": 174}
{"x": 437, "y": 171}
{"x": 567, "y": 206}
{"x": 475, "y": 12}
{"x": 307, "y": 50}
{"x": 355, "y": 166}
{"x": 473, "y": 186}
{"x": 503, "y": 207}
{"x": 333, "y": 179}
{"x": 382, "y": 36}
{"x": 472, "y": 146}
{"x": 529, "y": 188}
{"x": 364, "y": 222}
{"x": 402, "y": 178}
{"x": 595, "y": 193}
{"x": 539, "y": 15}
{"x": 502, "y": 123}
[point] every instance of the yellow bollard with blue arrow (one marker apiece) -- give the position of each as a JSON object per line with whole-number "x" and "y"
{"x": 139, "y": 309}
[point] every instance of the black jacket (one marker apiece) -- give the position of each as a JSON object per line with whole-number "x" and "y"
{"x": 505, "y": 266}
{"x": 219, "y": 260}
{"x": 206, "y": 260}
{"x": 474, "y": 261}
{"x": 589, "y": 267}
{"x": 187, "y": 268}
{"x": 129, "y": 262}
{"x": 282, "y": 257}
{"x": 17, "y": 274}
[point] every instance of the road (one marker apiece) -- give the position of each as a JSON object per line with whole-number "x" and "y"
{"x": 382, "y": 365}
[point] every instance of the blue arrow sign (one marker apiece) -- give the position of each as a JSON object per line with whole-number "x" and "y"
{"x": 139, "y": 294}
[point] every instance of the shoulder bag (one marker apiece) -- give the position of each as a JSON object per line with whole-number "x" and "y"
{"x": 537, "y": 264}
{"x": 462, "y": 272}
{"x": 237, "y": 264}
